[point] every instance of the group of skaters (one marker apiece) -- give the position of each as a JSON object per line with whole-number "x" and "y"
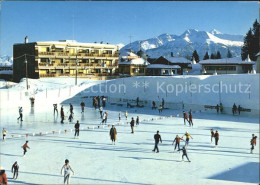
{"x": 98, "y": 101}
{"x": 185, "y": 118}
{"x": 160, "y": 107}
{"x": 235, "y": 109}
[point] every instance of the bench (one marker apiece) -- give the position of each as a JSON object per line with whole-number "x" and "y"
{"x": 245, "y": 110}
{"x": 210, "y": 107}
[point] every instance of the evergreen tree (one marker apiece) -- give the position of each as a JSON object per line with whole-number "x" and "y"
{"x": 218, "y": 56}
{"x": 195, "y": 56}
{"x": 251, "y": 42}
{"x": 206, "y": 57}
{"x": 212, "y": 56}
{"x": 229, "y": 55}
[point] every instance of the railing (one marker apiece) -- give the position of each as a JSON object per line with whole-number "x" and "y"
{"x": 74, "y": 65}
{"x": 77, "y": 54}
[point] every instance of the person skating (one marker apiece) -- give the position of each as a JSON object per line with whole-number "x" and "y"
{"x": 253, "y": 143}
{"x": 70, "y": 117}
{"x": 20, "y": 113}
{"x": 190, "y": 119}
{"x": 217, "y": 107}
{"x": 126, "y": 114}
{"x": 4, "y": 133}
{"x": 67, "y": 171}
{"x": 221, "y": 107}
{"x": 104, "y": 101}
{"x": 239, "y": 109}
{"x": 62, "y": 114}
{"x": 15, "y": 168}
{"x": 55, "y": 108}
{"x": 132, "y": 124}
{"x": 71, "y": 108}
{"x": 82, "y": 104}
{"x": 113, "y": 134}
{"x": 184, "y": 153}
{"x": 76, "y": 126}
{"x": 160, "y": 108}
{"x": 101, "y": 111}
{"x": 163, "y": 103}
{"x": 153, "y": 107}
{"x": 137, "y": 101}
{"x": 212, "y": 134}
{"x": 157, "y": 138}
{"x": 3, "y": 177}
{"x": 106, "y": 115}
{"x": 137, "y": 120}
{"x": 188, "y": 136}
{"x": 216, "y": 136}
{"x": 119, "y": 115}
{"x": 185, "y": 117}
{"x": 177, "y": 141}
{"x": 234, "y": 109}
{"x": 25, "y": 146}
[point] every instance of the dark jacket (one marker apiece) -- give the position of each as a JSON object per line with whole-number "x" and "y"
{"x": 183, "y": 151}
{"x": 216, "y": 136}
{"x": 157, "y": 138}
{"x": 77, "y": 126}
{"x": 132, "y": 123}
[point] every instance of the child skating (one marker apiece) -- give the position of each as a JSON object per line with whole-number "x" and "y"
{"x": 184, "y": 153}
{"x": 25, "y": 146}
{"x": 67, "y": 171}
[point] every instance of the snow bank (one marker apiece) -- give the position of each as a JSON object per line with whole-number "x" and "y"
{"x": 185, "y": 92}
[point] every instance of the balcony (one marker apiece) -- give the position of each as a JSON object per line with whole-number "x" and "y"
{"x": 81, "y": 55}
{"x": 73, "y": 65}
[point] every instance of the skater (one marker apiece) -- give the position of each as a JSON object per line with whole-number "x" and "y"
{"x": 95, "y": 102}
{"x": 113, "y": 134}
{"x": 55, "y": 107}
{"x": 184, "y": 153}
{"x": 62, "y": 114}
{"x": 212, "y": 134}
{"x": 76, "y": 126}
{"x": 71, "y": 108}
{"x": 119, "y": 115}
{"x": 20, "y": 113}
{"x": 216, "y": 138}
{"x": 253, "y": 143}
{"x": 177, "y": 142}
{"x": 188, "y": 136}
{"x": 4, "y": 133}
{"x": 71, "y": 117}
{"x": 190, "y": 119}
{"x": 217, "y": 107}
{"x": 160, "y": 108}
{"x": 137, "y": 101}
{"x": 106, "y": 115}
{"x": 126, "y": 114}
{"x": 153, "y": 107}
{"x": 3, "y": 178}
{"x": 137, "y": 120}
{"x": 132, "y": 124}
{"x": 221, "y": 107}
{"x": 239, "y": 109}
{"x": 98, "y": 101}
{"x": 101, "y": 111}
{"x": 163, "y": 103}
{"x": 234, "y": 109}
{"x": 25, "y": 146}
{"x": 15, "y": 169}
{"x": 157, "y": 138}
{"x": 103, "y": 118}
{"x": 82, "y": 104}
{"x": 104, "y": 101}
{"x": 185, "y": 117}
{"x": 67, "y": 170}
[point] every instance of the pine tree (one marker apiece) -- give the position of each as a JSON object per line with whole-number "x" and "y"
{"x": 218, "y": 56}
{"x": 212, "y": 56}
{"x": 206, "y": 56}
{"x": 229, "y": 55}
{"x": 195, "y": 56}
{"x": 251, "y": 42}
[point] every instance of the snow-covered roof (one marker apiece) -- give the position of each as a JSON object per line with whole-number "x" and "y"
{"x": 73, "y": 43}
{"x": 177, "y": 60}
{"x": 6, "y": 64}
{"x": 235, "y": 60}
{"x": 8, "y": 72}
{"x": 162, "y": 66}
{"x": 137, "y": 61}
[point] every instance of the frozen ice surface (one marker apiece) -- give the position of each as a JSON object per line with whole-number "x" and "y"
{"x": 131, "y": 160}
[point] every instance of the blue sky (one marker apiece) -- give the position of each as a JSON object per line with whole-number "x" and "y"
{"x": 114, "y": 22}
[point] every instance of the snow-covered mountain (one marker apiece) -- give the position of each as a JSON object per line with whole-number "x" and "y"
{"x": 186, "y": 43}
{"x": 6, "y": 61}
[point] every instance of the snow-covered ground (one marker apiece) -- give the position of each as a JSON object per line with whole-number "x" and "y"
{"x": 131, "y": 161}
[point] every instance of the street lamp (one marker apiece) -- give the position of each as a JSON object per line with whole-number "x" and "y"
{"x": 26, "y": 71}
{"x": 76, "y": 76}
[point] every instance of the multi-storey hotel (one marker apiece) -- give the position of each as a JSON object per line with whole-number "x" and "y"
{"x": 63, "y": 58}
